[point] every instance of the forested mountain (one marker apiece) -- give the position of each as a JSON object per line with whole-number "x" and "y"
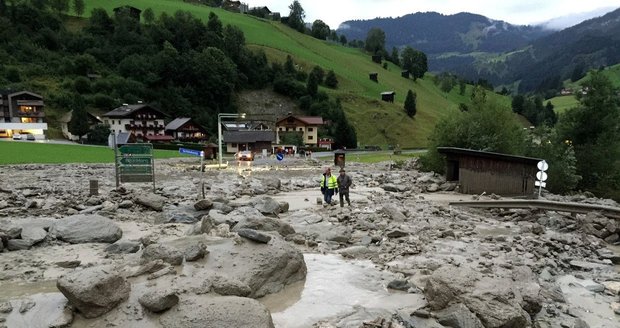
{"x": 475, "y": 47}
{"x": 436, "y": 33}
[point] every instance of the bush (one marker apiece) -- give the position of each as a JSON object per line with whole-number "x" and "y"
{"x": 289, "y": 87}
{"x": 81, "y": 85}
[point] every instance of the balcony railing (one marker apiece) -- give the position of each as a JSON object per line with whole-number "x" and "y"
{"x": 142, "y": 127}
{"x": 30, "y": 114}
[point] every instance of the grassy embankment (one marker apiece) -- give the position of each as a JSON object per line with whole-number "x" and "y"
{"x": 376, "y": 122}
{"x": 24, "y": 152}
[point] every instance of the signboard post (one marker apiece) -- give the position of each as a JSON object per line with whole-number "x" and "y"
{"x": 541, "y": 176}
{"x": 134, "y": 163}
{"x": 200, "y": 153}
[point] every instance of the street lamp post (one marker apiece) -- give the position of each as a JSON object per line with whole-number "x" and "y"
{"x": 219, "y": 130}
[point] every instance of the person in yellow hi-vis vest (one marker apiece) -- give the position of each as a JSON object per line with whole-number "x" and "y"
{"x": 329, "y": 185}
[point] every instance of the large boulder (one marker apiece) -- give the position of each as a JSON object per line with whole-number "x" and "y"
{"x": 218, "y": 312}
{"x": 265, "y": 268}
{"x": 447, "y": 284}
{"x": 123, "y": 247}
{"x": 77, "y": 229}
{"x": 94, "y": 291}
{"x": 268, "y": 206}
{"x": 152, "y": 201}
{"x": 458, "y": 316}
{"x": 163, "y": 252}
{"x": 158, "y": 300}
{"x": 393, "y": 212}
{"x": 264, "y": 224}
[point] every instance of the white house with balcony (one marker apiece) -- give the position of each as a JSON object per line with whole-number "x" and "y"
{"x": 21, "y": 112}
{"x": 143, "y": 121}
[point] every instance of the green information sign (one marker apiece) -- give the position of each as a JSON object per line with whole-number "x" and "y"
{"x": 134, "y": 163}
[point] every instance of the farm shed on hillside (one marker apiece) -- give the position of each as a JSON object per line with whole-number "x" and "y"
{"x": 388, "y": 96}
{"x": 374, "y": 76}
{"x": 481, "y": 171}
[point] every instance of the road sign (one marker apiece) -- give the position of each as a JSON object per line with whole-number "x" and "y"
{"x": 134, "y": 163}
{"x": 540, "y": 184}
{"x": 541, "y": 176}
{"x": 192, "y": 152}
{"x": 280, "y": 156}
{"x": 542, "y": 165}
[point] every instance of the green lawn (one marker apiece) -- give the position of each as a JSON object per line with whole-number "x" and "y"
{"x": 562, "y": 103}
{"x": 376, "y": 122}
{"x": 17, "y": 152}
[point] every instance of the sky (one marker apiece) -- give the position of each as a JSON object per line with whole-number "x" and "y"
{"x": 520, "y": 12}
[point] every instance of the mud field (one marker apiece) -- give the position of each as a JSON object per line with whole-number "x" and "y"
{"x": 262, "y": 251}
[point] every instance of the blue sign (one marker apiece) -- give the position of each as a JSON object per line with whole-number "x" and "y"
{"x": 189, "y": 151}
{"x": 280, "y": 156}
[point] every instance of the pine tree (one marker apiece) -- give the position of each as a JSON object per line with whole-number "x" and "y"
{"x": 330, "y": 80}
{"x": 410, "y": 103}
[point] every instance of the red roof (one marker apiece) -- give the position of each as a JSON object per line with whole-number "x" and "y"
{"x": 158, "y": 138}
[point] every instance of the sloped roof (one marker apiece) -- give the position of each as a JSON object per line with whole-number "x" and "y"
{"x": 248, "y": 136}
{"x": 488, "y": 155}
{"x": 309, "y": 120}
{"x": 157, "y": 137}
{"x": 126, "y": 110}
{"x": 177, "y": 123}
{"x": 66, "y": 118}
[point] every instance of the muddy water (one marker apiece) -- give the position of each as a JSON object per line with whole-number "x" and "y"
{"x": 590, "y": 306}
{"x": 334, "y": 288}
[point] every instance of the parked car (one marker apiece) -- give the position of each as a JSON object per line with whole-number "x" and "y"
{"x": 245, "y": 155}
{"x": 30, "y": 137}
{"x": 17, "y": 136}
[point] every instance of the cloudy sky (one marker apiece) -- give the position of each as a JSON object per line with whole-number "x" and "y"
{"x": 334, "y": 12}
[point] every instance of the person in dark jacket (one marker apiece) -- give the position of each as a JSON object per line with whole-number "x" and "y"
{"x": 344, "y": 183}
{"x": 329, "y": 185}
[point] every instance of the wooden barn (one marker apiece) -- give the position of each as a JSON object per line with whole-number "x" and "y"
{"x": 481, "y": 171}
{"x": 404, "y": 74}
{"x": 388, "y": 96}
{"x": 374, "y": 76}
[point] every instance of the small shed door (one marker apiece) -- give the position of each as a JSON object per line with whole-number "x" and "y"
{"x": 452, "y": 170}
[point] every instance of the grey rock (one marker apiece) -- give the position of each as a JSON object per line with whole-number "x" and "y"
{"x": 612, "y": 239}
{"x": 272, "y": 183}
{"x": 218, "y": 312}
{"x": 230, "y": 286}
{"x": 420, "y": 313}
{"x": 152, "y": 201}
{"x": 207, "y": 224}
{"x": 497, "y": 311}
{"x": 10, "y": 232}
{"x": 579, "y": 323}
{"x": 448, "y": 283}
{"x": 398, "y": 284}
{"x": 393, "y": 213}
{"x": 147, "y": 268}
{"x": 356, "y": 252}
{"x": 433, "y": 187}
{"x": 6, "y": 307}
{"x": 19, "y": 244}
{"x": 69, "y": 264}
{"x": 268, "y": 206}
{"x": 78, "y": 229}
{"x": 203, "y": 205}
{"x": 34, "y": 233}
{"x": 177, "y": 215}
{"x": 254, "y": 235}
{"x": 458, "y": 316}
{"x": 284, "y": 206}
{"x": 538, "y": 229}
{"x": 123, "y": 247}
{"x": 94, "y": 291}
{"x": 158, "y": 300}
{"x": 162, "y": 252}
{"x": 264, "y": 224}
{"x": 397, "y": 234}
{"x": 125, "y": 204}
{"x": 195, "y": 252}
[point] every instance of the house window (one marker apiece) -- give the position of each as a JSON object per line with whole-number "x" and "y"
{"x": 280, "y": 129}
{"x": 310, "y": 129}
{"x": 28, "y": 120}
{"x": 301, "y": 129}
{"x": 310, "y": 137}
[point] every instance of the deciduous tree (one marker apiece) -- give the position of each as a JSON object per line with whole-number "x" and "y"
{"x": 375, "y": 41}
{"x": 296, "y": 16}
{"x": 320, "y": 30}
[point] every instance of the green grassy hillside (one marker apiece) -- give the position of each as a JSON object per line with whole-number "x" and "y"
{"x": 563, "y": 103}
{"x": 376, "y": 122}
